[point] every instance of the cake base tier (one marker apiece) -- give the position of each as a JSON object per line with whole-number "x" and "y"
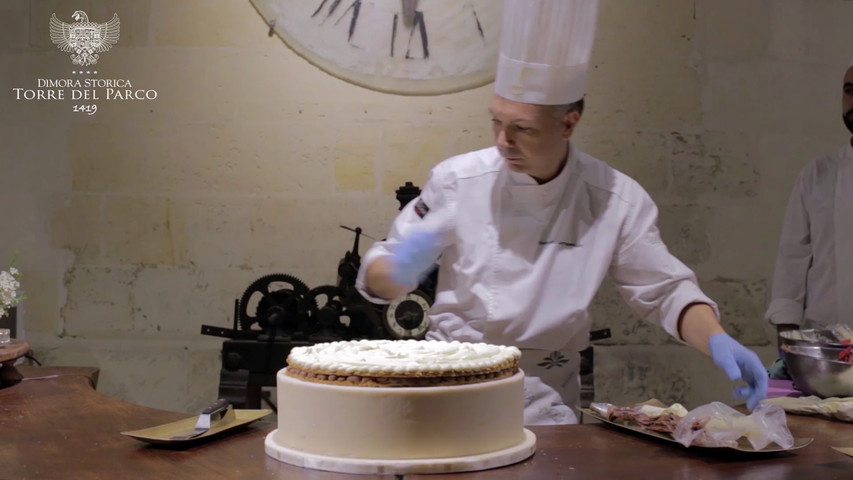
{"x": 469, "y": 463}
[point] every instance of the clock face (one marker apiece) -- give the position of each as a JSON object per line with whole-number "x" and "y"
{"x": 398, "y": 46}
{"x": 406, "y": 317}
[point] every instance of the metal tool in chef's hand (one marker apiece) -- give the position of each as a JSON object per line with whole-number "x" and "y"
{"x": 208, "y": 417}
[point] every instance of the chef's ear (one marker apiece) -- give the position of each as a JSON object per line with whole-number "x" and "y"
{"x": 571, "y": 116}
{"x": 570, "y": 121}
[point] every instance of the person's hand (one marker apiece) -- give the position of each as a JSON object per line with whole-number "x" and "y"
{"x": 413, "y": 256}
{"x": 740, "y": 362}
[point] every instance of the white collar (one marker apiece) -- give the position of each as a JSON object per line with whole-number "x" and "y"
{"x": 557, "y": 183}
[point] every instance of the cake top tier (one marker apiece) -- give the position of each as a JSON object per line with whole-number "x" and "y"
{"x": 404, "y": 357}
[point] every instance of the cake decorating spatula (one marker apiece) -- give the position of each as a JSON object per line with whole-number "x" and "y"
{"x": 210, "y": 415}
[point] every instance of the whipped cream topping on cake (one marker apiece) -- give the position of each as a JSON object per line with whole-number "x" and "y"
{"x": 402, "y": 362}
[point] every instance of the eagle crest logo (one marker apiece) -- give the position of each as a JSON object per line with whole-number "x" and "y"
{"x": 84, "y": 39}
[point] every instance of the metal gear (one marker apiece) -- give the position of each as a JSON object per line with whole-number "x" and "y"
{"x": 288, "y": 299}
{"x": 325, "y": 317}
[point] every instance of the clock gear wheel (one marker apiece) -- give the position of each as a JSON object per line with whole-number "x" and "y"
{"x": 278, "y": 290}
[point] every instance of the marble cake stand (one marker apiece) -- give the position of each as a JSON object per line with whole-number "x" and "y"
{"x": 468, "y": 463}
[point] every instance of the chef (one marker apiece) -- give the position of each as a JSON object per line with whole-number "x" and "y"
{"x": 813, "y": 279}
{"x": 524, "y": 232}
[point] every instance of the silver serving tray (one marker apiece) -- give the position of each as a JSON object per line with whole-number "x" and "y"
{"x": 743, "y": 443}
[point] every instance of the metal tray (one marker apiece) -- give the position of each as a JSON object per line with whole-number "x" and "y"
{"x": 743, "y": 444}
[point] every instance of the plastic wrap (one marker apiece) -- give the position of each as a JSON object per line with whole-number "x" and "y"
{"x": 719, "y": 425}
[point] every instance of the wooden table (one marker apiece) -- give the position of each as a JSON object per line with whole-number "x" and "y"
{"x": 59, "y": 427}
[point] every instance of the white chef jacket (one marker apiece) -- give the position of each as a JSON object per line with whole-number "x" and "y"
{"x": 813, "y": 278}
{"x": 521, "y": 261}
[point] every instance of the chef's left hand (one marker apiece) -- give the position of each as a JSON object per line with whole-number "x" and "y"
{"x": 740, "y": 362}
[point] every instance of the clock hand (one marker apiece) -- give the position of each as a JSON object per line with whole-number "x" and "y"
{"x": 393, "y": 34}
{"x": 421, "y": 27}
{"x": 409, "y": 7}
{"x": 318, "y": 9}
{"x": 332, "y": 9}
{"x": 355, "y": 7}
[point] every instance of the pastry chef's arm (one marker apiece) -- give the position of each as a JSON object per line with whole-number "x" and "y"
{"x": 422, "y": 229}
{"x": 662, "y": 289}
{"x": 378, "y": 280}
{"x": 696, "y": 324}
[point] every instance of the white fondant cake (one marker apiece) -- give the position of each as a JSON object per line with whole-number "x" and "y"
{"x": 336, "y": 405}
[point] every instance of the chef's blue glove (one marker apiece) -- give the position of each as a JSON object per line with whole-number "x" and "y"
{"x": 740, "y": 362}
{"x": 413, "y": 256}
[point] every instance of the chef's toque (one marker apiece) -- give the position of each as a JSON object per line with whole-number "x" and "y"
{"x": 544, "y": 50}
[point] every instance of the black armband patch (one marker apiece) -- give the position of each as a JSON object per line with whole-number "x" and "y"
{"x": 421, "y": 208}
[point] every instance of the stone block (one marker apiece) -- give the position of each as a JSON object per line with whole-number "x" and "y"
{"x": 179, "y": 300}
{"x": 807, "y": 33}
{"x": 39, "y": 312}
{"x": 727, "y": 36}
{"x": 713, "y": 164}
{"x": 684, "y": 230}
{"x": 355, "y": 173}
{"x": 665, "y": 88}
{"x": 744, "y": 236}
{"x": 78, "y": 228}
{"x": 410, "y": 152}
{"x": 744, "y": 97}
{"x": 355, "y": 156}
{"x": 238, "y": 159}
{"x": 98, "y": 301}
{"x": 137, "y": 230}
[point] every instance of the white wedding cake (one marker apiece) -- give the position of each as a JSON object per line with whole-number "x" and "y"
{"x": 401, "y": 406}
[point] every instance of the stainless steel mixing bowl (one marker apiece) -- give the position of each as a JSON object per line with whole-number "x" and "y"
{"x": 815, "y": 337}
{"x": 816, "y": 370}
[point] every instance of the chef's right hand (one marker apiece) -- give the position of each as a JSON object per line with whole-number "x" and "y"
{"x": 412, "y": 257}
{"x": 740, "y": 363}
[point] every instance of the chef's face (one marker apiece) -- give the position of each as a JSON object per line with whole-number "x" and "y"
{"x": 533, "y": 139}
{"x": 847, "y": 99}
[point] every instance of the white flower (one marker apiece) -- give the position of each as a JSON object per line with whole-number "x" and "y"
{"x": 9, "y": 285}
